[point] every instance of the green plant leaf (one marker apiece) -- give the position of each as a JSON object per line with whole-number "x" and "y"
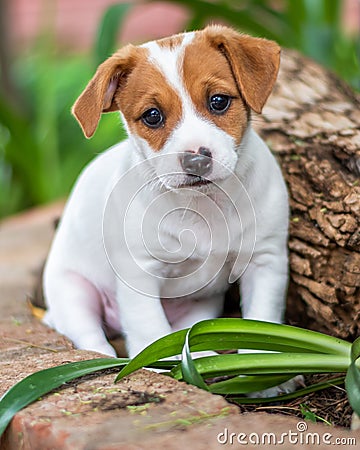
{"x": 247, "y": 383}
{"x": 165, "y": 347}
{"x": 352, "y": 380}
{"x": 40, "y": 383}
{"x": 307, "y": 413}
{"x": 230, "y": 334}
{"x": 286, "y": 397}
{"x": 188, "y": 368}
{"x": 266, "y": 363}
{"x": 226, "y": 334}
{"x": 108, "y": 29}
{"x": 311, "y": 415}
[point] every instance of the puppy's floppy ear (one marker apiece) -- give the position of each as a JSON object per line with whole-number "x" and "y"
{"x": 99, "y": 94}
{"x": 253, "y": 61}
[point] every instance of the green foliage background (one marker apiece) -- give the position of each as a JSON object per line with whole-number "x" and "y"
{"x": 42, "y": 149}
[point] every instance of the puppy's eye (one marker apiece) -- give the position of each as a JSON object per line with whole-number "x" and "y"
{"x": 219, "y": 103}
{"x": 153, "y": 118}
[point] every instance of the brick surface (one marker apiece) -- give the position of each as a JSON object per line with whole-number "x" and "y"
{"x": 144, "y": 411}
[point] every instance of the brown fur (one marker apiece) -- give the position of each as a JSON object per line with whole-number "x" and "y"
{"x": 206, "y": 72}
{"x": 253, "y": 61}
{"x": 147, "y": 88}
{"x": 171, "y": 42}
{"x": 139, "y": 86}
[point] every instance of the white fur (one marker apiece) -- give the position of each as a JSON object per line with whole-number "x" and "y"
{"x": 136, "y": 254}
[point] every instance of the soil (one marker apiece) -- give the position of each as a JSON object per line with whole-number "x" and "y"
{"x": 329, "y": 406}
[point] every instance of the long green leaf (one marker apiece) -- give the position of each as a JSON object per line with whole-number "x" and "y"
{"x": 247, "y": 383}
{"x": 286, "y": 397}
{"x": 165, "y": 347}
{"x": 267, "y": 363}
{"x": 257, "y": 335}
{"x": 40, "y": 383}
{"x": 188, "y": 368}
{"x": 352, "y": 380}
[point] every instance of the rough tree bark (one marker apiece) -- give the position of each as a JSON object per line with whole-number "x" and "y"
{"x": 312, "y": 124}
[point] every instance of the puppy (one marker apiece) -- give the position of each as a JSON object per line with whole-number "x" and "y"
{"x": 157, "y": 226}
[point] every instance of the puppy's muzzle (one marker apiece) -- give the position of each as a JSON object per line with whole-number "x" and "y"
{"x": 197, "y": 163}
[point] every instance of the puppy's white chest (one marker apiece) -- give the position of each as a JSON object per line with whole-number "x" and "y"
{"x": 199, "y": 231}
{"x": 193, "y": 247}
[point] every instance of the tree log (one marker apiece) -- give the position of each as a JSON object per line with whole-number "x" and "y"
{"x": 312, "y": 124}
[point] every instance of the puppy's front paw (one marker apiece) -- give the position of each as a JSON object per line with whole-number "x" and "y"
{"x": 284, "y": 388}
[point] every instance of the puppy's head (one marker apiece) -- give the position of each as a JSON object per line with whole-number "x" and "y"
{"x": 188, "y": 96}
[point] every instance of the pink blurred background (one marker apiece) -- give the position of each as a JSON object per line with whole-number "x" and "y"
{"x": 76, "y": 20}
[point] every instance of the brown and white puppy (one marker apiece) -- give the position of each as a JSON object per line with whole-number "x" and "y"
{"x": 157, "y": 226}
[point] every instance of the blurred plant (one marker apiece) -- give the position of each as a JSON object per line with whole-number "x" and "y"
{"x": 42, "y": 149}
{"x": 311, "y": 26}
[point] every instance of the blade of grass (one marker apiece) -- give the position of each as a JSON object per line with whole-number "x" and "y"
{"x": 40, "y": 383}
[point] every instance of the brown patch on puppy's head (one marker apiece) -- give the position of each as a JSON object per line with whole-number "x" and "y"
{"x": 171, "y": 42}
{"x": 128, "y": 81}
{"x": 147, "y": 88}
{"x": 254, "y": 62}
{"x": 206, "y": 73}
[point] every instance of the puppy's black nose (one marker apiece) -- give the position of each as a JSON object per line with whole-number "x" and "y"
{"x": 196, "y": 163}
